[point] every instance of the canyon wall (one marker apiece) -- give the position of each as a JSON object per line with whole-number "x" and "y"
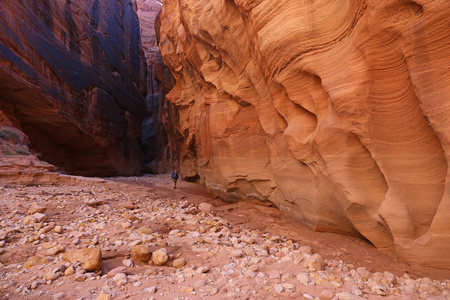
{"x": 72, "y": 78}
{"x": 157, "y": 142}
{"x": 335, "y": 111}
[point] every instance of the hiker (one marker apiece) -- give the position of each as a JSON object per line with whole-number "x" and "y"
{"x": 175, "y": 176}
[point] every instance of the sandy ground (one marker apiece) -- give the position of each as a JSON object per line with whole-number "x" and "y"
{"x": 238, "y": 251}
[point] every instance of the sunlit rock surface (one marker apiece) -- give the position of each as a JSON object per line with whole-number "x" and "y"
{"x": 335, "y": 111}
{"x": 72, "y": 78}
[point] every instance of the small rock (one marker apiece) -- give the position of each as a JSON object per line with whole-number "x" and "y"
{"x": 51, "y": 275}
{"x": 145, "y": 230}
{"x": 90, "y": 258}
{"x": 29, "y": 220}
{"x": 140, "y": 253}
{"x": 116, "y": 271}
{"x": 35, "y": 261}
{"x": 104, "y": 296}
{"x": 80, "y": 278}
{"x": 69, "y": 271}
{"x": 211, "y": 290}
{"x": 55, "y": 250}
{"x": 288, "y": 286}
{"x": 305, "y": 250}
{"x": 128, "y": 263}
{"x": 347, "y": 296}
{"x": 150, "y": 272}
{"x": 237, "y": 253}
{"x": 303, "y": 278}
{"x": 179, "y": 262}
{"x": 40, "y": 217}
{"x": 120, "y": 279}
{"x": 36, "y": 209}
{"x": 34, "y": 285}
{"x": 200, "y": 284}
{"x": 160, "y": 257}
{"x": 128, "y": 205}
{"x": 161, "y": 243}
{"x": 94, "y": 202}
{"x": 205, "y": 207}
{"x": 278, "y": 288}
{"x": 326, "y": 295}
{"x": 379, "y": 290}
{"x": 151, "y": 289}
{"x": 126, "y": 225}
{"x": 315, "y": 262}
{"x": 187, "y": 289}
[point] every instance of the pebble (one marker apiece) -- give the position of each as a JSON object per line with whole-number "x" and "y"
{"x": 278, "y": 288}
{"x": 69, "y": 271}
{"x": 179, "y": 262}
{"x": 187, "y": 289}
{"x": 120, "y": 279}
{"x": 127, "y": 263}
{"x": 116, "y": 271}
{"x": 104, "y": 296}
{"x": 205, "y": 207}
{"x": 151, "y": 289}
{"x": 51, "y": 275}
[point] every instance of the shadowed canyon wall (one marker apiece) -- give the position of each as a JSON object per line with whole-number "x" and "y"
{"x": 335, "y": 111}
{"x": 157, "y": 142}
{"x": 72, "y": 77}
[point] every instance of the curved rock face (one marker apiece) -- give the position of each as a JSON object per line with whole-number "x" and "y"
{"x": 72, "y": 77}
{"x": 335, "y": 111}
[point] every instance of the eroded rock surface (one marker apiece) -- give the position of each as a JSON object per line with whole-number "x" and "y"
{"x": 72, "y": 78}
{"x": 157, "y": 139}
{"x": 335, "y": 112}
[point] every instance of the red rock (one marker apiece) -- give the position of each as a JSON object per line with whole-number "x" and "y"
{"x": 338, "y": 115}
{"x": 128, "y": 205}
{"x": 75, "y": 88}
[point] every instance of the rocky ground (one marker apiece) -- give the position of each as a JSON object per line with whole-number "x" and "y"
{"x": 137, "y": 238}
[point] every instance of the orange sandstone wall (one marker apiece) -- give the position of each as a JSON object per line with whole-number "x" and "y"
{"x": 336, "y": 111}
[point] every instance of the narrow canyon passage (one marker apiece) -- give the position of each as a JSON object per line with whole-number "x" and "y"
{"x": 325, "y": 122}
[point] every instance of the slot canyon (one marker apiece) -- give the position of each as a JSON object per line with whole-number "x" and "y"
{"x": 318, "y": 121}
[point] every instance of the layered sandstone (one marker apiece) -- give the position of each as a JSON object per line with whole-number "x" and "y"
{"x": 72, "y": 78}
{"x": 335, "y": 111}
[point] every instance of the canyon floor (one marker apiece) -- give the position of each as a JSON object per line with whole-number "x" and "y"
{"x": 215, "y": 250}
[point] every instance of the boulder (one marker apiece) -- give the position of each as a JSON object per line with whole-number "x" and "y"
{"x": 140, "y": 253}
{"x": 160, "y": 257}
{"x": 90, "y": 258}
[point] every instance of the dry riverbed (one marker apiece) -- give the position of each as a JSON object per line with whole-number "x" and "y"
{"x": 136, "y": 238}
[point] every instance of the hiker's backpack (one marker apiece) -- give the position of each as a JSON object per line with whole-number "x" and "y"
{"x": 175, "y": 175}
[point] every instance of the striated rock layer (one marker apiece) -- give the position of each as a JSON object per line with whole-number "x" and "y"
{"x": 72, "y": 78}
{"x": 335, "y": 111}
